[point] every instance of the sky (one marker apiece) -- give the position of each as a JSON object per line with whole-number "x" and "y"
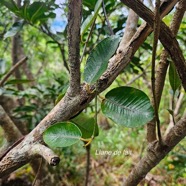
{"x": 59, "y": 23}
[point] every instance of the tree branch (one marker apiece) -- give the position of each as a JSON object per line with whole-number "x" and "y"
{"x": 46, "y": 153}
{"x": 156, "y": 28}
{"x": 163, "y": 65}
{"x": 130, "y": 29}
{"x": 12, "y": 133}
{"x": 107, "y": 20}
{"x": 12, "y": 70}
{"x": 166, "y": 37}
{"x": 74, "y": 24}
{"x": 156, "y": 152}
{"x": 70, "y": 106}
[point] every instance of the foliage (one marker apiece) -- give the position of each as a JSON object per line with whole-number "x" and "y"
{"x": 62, "y": 134}
{"x": 128, "y": 106}
{"x": 97, "y": 61}
{"x": 34, "y": 12}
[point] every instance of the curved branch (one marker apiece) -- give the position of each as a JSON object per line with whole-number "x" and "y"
{"x": 12, "y": 133}
{"x": 166, "y": 37}
{"x": 163, "y": 65}
{"x": 71, "y": 105}
{"x": 156, "y": 152}
{"x": 130, "y": 29}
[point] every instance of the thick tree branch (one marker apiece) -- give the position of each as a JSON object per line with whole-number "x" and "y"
{"x": 70, "y": 106}
{"x": 166, "y": 37}
{"x": 156, "y": 152}
{"x": 74, "y": 24}
{"x": 12, "y": 133}
{"x": 163, "y": 65}
{"x": 130, "y": 29}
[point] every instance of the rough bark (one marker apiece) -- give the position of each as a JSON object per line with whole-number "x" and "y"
{"x": 11, "y": 132}
{"x": 74, "y": 24}
{"x": 166, "y": 37}
{"x": 163, "y": 65}
{"x": 70, "y": 106}
{"x": 155, "y": 153}
{"x": 130, "y": 29}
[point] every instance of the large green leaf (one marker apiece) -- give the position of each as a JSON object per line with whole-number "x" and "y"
{"x": 62, "y": 134}
{"x": 10, "y": 4}
{"x": 174, "y": 79}
{"x": 97, "y": 61}
{"x": 90, "y": 19}
{"x": 16, "y": 27}
{"x": 86, "y": 124}
{"x": 18, "y": 81}
{"x": 127, "y": 106}
{"x": 33, "y": 13}
{"x": 89, "y": 3}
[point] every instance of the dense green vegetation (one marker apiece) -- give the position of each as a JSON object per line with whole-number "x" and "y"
{"x": 44, "y": 80}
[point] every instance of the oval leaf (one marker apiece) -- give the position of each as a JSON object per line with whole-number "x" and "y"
{"x": 62, "y": 134}
{"x": 87, "y": 125}
{"x": 97, "y": 61}
{"x": 16, "y": 27}
{"x": 18, "y": 81}
{"x": 127, "y": 106}
{"x": 90, "y": 19}
{"x": 174, "y": 79}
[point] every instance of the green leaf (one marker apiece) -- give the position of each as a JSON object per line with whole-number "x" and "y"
{"x": 97, "y": 61}
{"x": 62, "y": 134}
{"x": 18, "y": 81}
{"x": 174, "y": 79}
{"x": 89, "y": 3}
{"x": 87, "y": 23}
{"x": 27, "y": 108}
{"x": 10, "y": 4}
{"x": 86, "y": 124}
{"x": 33, "y": 13}
{"x": 127, "y": 106}
{"x": 59, "y": 97}
{"x": 90, "y": 19}
{"x": 171, "y": 112}
{"x": 16, "y": 27}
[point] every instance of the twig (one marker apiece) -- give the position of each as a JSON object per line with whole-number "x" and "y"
{"x": 88, "y": 147}
{"x": 12, "y": 70}
{"x": 44, "y": 28}
{"x": 63, "y": 56}
{"x": 107, "y": 20}
{"x": 38, "y": 172}
{"x": 162, "y": 67}
{"x": 87, "y": 40}
{"x": 155, "y": 43}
